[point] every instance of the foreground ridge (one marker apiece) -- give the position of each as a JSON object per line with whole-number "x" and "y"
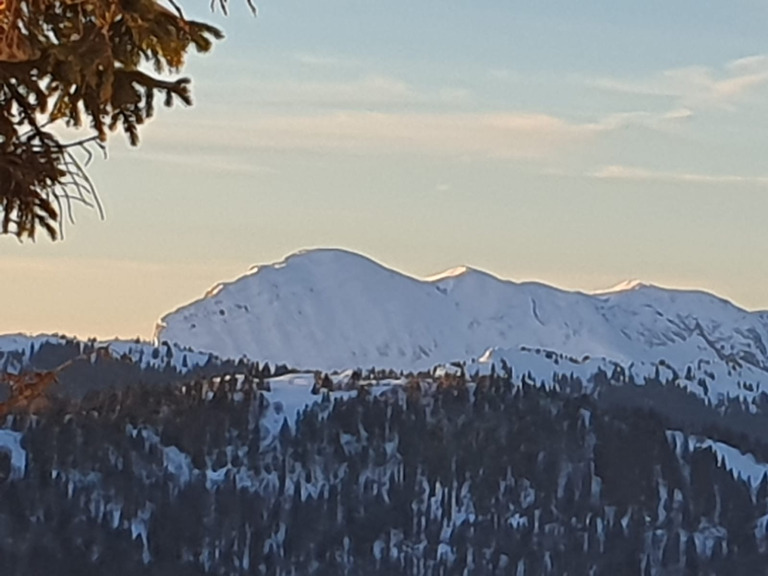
{"x": 371, "y": 473}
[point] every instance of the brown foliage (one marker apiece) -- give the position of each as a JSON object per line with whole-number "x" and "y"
{"x": 29, "y": 390}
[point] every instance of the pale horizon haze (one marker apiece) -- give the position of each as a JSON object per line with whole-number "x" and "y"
{"x": 577, "y": 144}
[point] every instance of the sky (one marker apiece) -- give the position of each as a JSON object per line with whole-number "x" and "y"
{"x": 575, "y": 143}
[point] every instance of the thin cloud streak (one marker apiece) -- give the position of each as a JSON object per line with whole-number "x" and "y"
{"x": 364, "y": 92}
{"x": 500, "y": 135}
{"x": 218, "y": 163}
{"x": 645, "y": 175}
{"x": 699, "y": 86}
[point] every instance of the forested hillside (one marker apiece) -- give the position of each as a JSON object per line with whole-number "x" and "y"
{"x": 424, "y": 476}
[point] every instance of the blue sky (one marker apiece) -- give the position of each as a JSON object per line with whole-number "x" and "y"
{"x": 575, "y": 143}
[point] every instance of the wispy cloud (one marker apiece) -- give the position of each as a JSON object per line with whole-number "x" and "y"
{"x": 502, "y": 135}
{"x": 216, "y": 162}
{"x": 749, "y": 63}
{"x": 700, "y": 86}
{"x": 661, "y": 121}
{"x": 366, "y": 92}
{"x": 645, "y": 175}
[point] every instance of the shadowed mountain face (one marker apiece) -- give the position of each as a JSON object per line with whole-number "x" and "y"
{"x": 331, "y": 309}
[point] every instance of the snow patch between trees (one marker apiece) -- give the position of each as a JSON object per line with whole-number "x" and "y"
{"x": 10, "y": 443}
{"x": 739, "y": 464}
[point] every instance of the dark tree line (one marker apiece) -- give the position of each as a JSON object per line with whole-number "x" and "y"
{"x": 496, "y": 477}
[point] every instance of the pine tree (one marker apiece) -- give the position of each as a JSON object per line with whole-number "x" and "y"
{"x": 80, "y": 64}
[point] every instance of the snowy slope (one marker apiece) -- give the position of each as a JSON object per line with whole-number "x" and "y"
{"x": 10, "y": 444}
{"x": 741, "y": 465}
{"x": 332, "y": 309}
{"x": 708, "y": 378}
{"x": 16, "y": 350}
{"x": 320, "y": 309}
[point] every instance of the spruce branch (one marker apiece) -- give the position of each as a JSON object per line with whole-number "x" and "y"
{"x": 82, "y": 65}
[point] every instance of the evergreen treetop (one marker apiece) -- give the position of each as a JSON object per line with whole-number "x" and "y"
{"x": 96, "y": 65}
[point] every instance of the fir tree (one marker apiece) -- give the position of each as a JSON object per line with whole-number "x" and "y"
{"x": 80, "y": 64}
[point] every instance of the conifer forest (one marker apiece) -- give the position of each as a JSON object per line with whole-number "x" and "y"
{"x": 418, "y": 474}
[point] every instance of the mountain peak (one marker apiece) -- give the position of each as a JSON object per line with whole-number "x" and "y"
{"x": 450, "y": 273}
{"x": 625, "y": 286}
{"x": 311, "y": 261}
{"x": 315, "y": 256}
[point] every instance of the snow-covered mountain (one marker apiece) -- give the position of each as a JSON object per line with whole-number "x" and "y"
{"x": 332, "y": 309}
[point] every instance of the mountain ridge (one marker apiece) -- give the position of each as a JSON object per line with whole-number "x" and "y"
{"x": 335, "y": 309}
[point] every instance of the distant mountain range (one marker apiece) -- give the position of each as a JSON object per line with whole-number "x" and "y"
{"x": 333, "y": 309}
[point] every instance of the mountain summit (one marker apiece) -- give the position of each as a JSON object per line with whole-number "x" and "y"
{"x": 332, "y": 309}
{"x": 625, "y": 286}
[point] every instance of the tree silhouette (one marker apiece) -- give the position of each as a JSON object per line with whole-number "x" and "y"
{"x": 94, "y": 65}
